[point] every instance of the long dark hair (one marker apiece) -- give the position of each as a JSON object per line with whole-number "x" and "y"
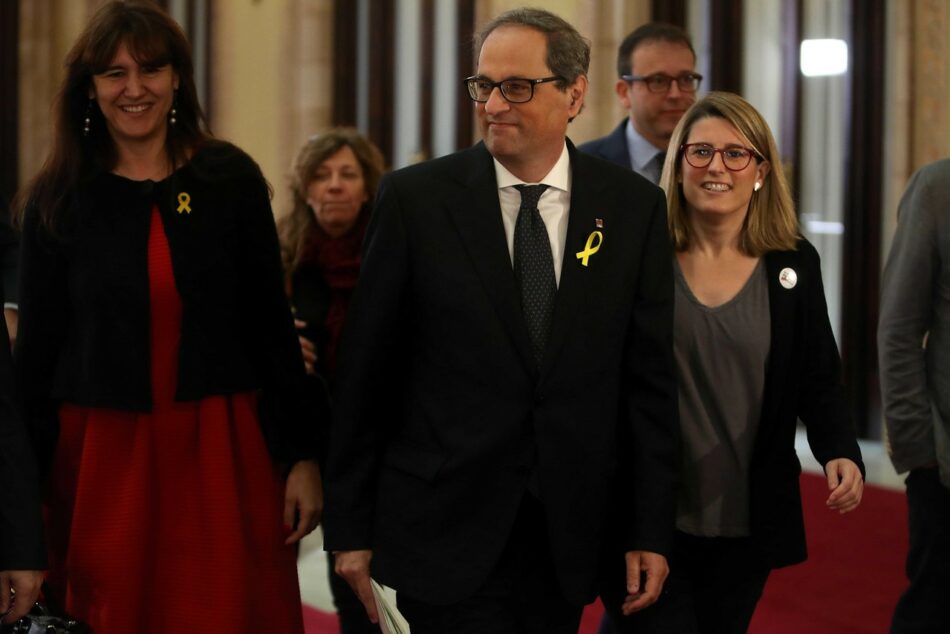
{"x": 153, "y": 38}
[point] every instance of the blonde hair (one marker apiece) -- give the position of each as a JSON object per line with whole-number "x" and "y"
{"x": 771, "y": 223}
{"x": 295, "y": 226}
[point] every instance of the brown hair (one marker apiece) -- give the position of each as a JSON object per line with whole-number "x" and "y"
{"x": 153, "y": 38}
{"x": 295, "y": 226}
{"x": 771, "y": 223}
{"x": 646, "y": 34}
{"x": 568, "y": 53}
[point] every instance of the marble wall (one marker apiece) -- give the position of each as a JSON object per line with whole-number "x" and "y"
{"x": 272, "y": 76}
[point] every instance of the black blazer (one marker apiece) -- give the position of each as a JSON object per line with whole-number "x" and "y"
{"x": 21, "y": 526}
{"x": 612, "y": 147}
{"x": 84, "y": 300}
{"x": 803, "y": 380}
{"x": 441, "y": 414}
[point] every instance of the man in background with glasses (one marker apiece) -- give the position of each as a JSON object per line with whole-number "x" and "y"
{"x": 657, "y": 82}
{"x": 504, "y": 441}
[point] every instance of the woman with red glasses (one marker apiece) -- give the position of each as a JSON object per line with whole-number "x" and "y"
{"x": 754, "y": 352}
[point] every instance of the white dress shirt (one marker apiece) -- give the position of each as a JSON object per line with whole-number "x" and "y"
{"x": 642, "y": 155}
{"x": 554, "y": 206}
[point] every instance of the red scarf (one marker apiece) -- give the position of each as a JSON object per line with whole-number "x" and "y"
{"x": 338, "y": 260}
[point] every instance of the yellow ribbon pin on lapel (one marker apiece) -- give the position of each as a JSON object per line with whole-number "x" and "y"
{"x": 590, "y": 248}
{"x": 183, "y": 200}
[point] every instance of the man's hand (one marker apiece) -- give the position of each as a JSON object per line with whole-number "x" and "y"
{"x": 655, "y": 568}
{"x": 307, "y": 349}
{"x": 353, "y": 565}
{"x": 26, "y": 584}
{"x": 303, "y": 500}
{"x": 11, "y": 315}
{"x": 845, "y": 483}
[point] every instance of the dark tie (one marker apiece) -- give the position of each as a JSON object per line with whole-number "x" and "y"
{"x": 534, "y": 268}
{"x": 656, "y": 167}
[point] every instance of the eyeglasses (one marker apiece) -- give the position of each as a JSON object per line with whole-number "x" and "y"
{"x": 735, "y": 158}
{"x": 660, "y": 82}
{"x": 514, "y": 90}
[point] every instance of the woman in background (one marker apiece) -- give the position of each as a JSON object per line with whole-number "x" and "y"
{"x": 334, "y": 180}
{"x": 157, "y": 353}
{"x": 754, "y": 352}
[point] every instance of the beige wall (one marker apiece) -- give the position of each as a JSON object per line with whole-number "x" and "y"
{"x": 931, "y": 86}
{"x": 47, "y": 31}
{"x": 917, "y": 118}
{"x": 272, "y": 79}
{"x": 272, "y": 76}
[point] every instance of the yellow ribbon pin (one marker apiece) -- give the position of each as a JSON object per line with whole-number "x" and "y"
{"x": 590, "y": 248}
{"x": 183, "y": 200}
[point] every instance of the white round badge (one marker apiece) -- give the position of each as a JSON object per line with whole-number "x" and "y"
{"x": 788, "y": 278}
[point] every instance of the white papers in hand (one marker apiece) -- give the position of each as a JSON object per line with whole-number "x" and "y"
{"x": 390, "y": 620}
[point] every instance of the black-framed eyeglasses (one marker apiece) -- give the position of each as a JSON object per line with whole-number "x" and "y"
{"x": 661, "y": 82}
{"x": 514, "y": 90}
{"x": 735, "y": 158}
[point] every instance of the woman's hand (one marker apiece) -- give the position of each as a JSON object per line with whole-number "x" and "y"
{"x": 26, "y": 585}
{"x": 845, "y": 483}
{"x": 307, "y": 348}
{"x": 303, "y": 500}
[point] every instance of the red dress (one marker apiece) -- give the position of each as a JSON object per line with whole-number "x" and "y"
{"x": 171, "y": 520}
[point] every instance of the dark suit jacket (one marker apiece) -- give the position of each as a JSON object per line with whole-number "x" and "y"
{"x": 612, "y": 147}
{"x": 21, "y": 528}
{"x": 803, "y": 381}
{"x": 441, "y": 413}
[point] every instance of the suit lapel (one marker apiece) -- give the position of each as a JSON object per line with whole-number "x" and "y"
{"x": 586, "y": 191}
{"x": 477, "y": 215}
{"x": 782, "y": 316}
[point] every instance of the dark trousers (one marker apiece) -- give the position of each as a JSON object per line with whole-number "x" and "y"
{"x": 520, "y": 596}
{"x": 925, "y": 605}
{"x": 349, "y": 608}
{"x": 713, "y": 588}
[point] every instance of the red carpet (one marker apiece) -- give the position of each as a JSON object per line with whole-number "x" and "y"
{"x": 849, "y": 585}
{"x": 317, "y": 622}
{"x": 853, "y": 576}
{"x": 854, "y": 573}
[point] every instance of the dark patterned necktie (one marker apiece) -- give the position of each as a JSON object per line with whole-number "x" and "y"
{"x": 655, "y": 167}
{"x": 534, "y": 268}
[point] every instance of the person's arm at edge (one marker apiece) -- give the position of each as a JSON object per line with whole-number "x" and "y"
{"x": 22, "y": 553}
{"x": 276, "y": 351}
{"x": 652, "y": 413}
{"x": 363, "y": 384}
{"x": 905, "y": 318}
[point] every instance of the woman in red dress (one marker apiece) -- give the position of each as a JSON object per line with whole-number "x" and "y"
{"x": 163, "y": 383}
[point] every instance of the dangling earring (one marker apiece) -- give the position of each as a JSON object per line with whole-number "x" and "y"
{"x": 88, "y": 120}
{"x": 174, "y": 112}
{"x": 758, "y": 186}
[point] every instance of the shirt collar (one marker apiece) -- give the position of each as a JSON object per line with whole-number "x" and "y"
{"x": 641, "y": 150}
{"x": 558, "y": 178}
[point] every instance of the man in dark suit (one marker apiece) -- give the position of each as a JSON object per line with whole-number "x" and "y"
{"x": 22, "y": 552}
{"x": 656, "y": 83}
{"x": 506, "y": 407}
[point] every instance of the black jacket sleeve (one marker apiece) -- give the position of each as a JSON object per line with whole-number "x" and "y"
{"x": 289, "y": 407}
{"x": 21, "y": 529}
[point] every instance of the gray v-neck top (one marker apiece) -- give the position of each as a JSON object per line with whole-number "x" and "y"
{"x": 721, "y": 355}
